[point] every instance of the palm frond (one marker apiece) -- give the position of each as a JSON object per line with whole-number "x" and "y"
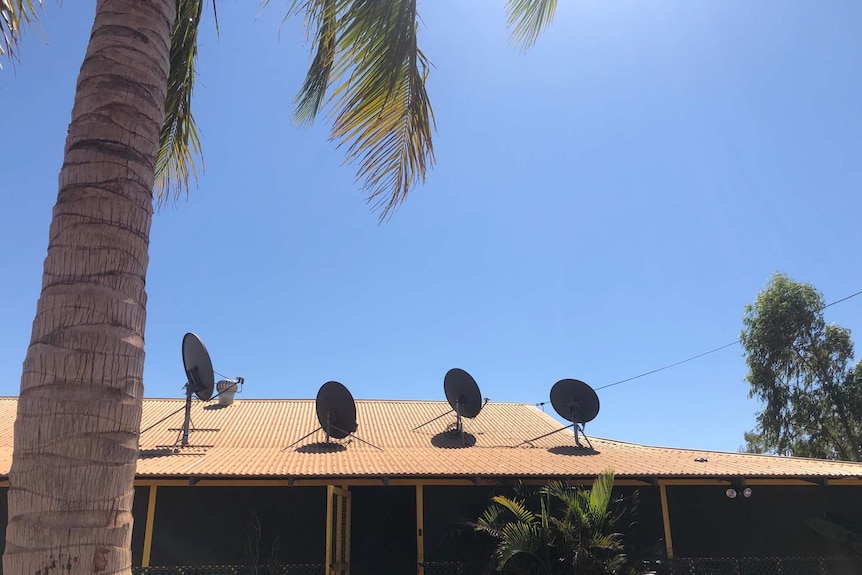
{"x": 528, "y": 18}
{"x": 558, "y": 490}
{"x": 516, "y": 508}
{"x": 368, "y": 56}
{"x": 382, "y": 109}
{"x": 321, "y": 16}
{"x": 179, "y": 143}
{"x": 523, "y": 539}
{"x": 600, "y": 495}
{"x": 14, "y": 16}
{"x": 489, "y": 522}
{"x": 606, "y": 542}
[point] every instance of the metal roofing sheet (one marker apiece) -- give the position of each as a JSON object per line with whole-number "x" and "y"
{"x": 251, "y": 438}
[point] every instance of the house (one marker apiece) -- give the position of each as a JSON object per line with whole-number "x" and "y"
{"x": 396, "y": 497}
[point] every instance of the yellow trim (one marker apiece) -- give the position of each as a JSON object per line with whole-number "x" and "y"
{"x": 420, "y": 534}
{"x": 339, "y": 528}
{"x": 714, "y": 482}
{"x": 665, "y": 515}
{"x": 148, "y": 529}
{"x": 4, "y": 483}
{"x": 336, "y": 500}
{"x": 848, "y": 481}
{"x": 779, "y": 482}
{"x": 329, "y": 515}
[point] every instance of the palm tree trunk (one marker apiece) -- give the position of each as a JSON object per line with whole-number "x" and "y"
{"x": 76, "y": 433}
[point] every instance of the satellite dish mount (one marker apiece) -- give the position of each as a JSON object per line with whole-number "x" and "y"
{"x": 575, "y": 416}
{"x": 200, "y": 380}
{"x": 336, "y": 414}
{"x": 464, "y": 398}
{"x": 574, "y": 401}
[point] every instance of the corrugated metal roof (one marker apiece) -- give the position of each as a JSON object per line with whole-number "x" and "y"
{"x": 251, "y": 438}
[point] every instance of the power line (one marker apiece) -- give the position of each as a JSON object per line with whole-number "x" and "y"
{"x": 698, "y": 356}
{"x": 842, "y": 299}
{"x": 646, "y": 373}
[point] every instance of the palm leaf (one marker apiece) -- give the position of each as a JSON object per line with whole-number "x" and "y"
{"x": 516, "y": 508}
{"x": 14, "y": 16}
{"x": 321, "y": 16}
{"x": 528, "y": 18}
{"x": 367, "y": 55}
{"x": 179, "y": 143}
{"x": 381, "y": 108}
{"x": 600, "y": 497}
{"x": 489, "y": 522}
{"x": 523, "y": 539}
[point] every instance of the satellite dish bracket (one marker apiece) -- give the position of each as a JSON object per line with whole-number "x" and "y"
{"x": 187, "y": 420}
{"x": 336, "y": 410}
{"x": 458, "y": 422}
{"x": 575, "y": 415}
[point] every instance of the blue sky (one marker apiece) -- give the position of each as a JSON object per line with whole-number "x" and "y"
{"x": 602, "y": 206}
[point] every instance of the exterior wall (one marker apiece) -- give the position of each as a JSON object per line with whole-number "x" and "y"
{"x": 447, "y": 535}
{"x": 4, "y": 517}
{"x": 211, "y": 525}
{"x": 642, "y": 523}
{"x": 139, "y": 513}
{"x": 208, "y": 525}
{"x": 383, "y": 530}
{"x": 450, "y": 510}
{"x": 772, "y": 522}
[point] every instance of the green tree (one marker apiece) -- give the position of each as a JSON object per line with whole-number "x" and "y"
{"x": 573, "y": 531}
{"x": 131, "y": 139}
{"x": 802, "y": 369}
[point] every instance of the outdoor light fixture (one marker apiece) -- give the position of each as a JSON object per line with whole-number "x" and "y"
{"x": 746, "y": 492}
{"x": 731, "y": 493}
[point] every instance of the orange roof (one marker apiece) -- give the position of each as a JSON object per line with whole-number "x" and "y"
{"x": 251, "y": 438}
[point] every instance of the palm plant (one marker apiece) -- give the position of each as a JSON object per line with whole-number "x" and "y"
{"x": 572, "y": 532}
{"x": 132, "y": 139}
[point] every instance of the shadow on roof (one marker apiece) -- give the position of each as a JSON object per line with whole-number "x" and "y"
{"x": 449, "y": 440}
{"x": 572, "y": 450}
{"x": 321, "y": 447}
{"x": 150, "y": 453}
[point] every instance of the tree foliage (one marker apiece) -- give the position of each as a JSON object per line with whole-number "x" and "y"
{"x": 802, "y": 369}
{"x": 572, "y": 531}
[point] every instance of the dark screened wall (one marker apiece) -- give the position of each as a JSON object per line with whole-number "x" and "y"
{"x": 772, "y": 522}
{"x": 4, "y": 514}
{"x": 211, "y": 525}
{"x": 447, "y": 536}
{"x": 642, "y": 522}
{"x": 383, "y": 530}
{"x": 139, "y": 514}
{"x": 450, "y": 510}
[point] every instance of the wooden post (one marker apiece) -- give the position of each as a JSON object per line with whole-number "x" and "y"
{"x": 148, "y": 529}
{"x": 665, "y": 515}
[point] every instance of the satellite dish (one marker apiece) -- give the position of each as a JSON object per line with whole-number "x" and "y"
{"x": 574, "y": 401}
{"x": 200, "y": 378}
{"x": 336, "y": 410}
{"x": 462, "y": 393}
{"x": 336, "y": 414}
{"x": 199, "y": 368}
